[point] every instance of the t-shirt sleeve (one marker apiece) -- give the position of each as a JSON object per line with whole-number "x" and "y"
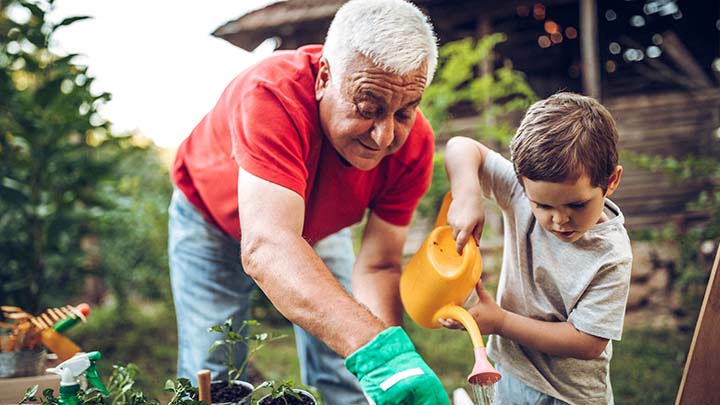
{"x": 266, "y": 141}
{"x": 499, "y": 182}
{"x": 398, "y": 202}
{"x": 601, "y": 309}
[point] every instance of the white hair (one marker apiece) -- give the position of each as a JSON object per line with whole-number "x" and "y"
{"x": 394, "y": 34}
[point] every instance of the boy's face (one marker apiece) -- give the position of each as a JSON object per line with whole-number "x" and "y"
{"x": 569, "y": 209}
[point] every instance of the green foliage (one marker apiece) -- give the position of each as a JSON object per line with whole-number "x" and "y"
{"x": 459, "y": 80}
{"x": 493, "y": 96}
{"x": 121, "y": 386}
{"x": 233, "y": 338}
{"x": 283, "y": 391}
{"x": 65, "y": 180}
{"x": 48, "y": 397}
{"x": 142, "y": 334}
{"x": 122, "y": 391}
{"x": 183, "y": 392}
{"x": 692, "y": 270}
{"x": 133, "y": 235}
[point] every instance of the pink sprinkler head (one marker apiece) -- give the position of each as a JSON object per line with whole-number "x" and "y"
{"x": 483, "y": 373}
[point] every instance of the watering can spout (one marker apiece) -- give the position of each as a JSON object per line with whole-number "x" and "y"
{"x": 437, "y": 281}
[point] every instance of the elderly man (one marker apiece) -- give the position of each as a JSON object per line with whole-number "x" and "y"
{"x": 299, "y": 147}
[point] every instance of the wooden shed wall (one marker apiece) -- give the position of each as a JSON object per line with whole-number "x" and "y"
{"x": 670, "y": 124}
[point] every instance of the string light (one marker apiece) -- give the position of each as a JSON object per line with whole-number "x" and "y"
{"x": 610, "y": 66}
{"x": 571, "y": 33}
{"x": 544, "y": 41}
{"x": 551, "y": 27}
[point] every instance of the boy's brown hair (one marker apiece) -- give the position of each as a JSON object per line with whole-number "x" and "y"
{"x": 563, "y": 137}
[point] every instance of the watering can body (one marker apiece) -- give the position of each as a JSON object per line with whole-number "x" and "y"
{"x": 437, "y": 276}
{"x": 437, "y": 281}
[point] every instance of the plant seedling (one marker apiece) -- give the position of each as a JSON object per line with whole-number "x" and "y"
{"x": 283, "y": 394}
{"x": 232, "y": 337}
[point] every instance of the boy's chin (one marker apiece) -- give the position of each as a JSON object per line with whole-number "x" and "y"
{"x": 569, "y": 237}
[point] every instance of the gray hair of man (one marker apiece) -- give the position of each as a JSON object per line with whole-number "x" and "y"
{"x": 394, "y": 34}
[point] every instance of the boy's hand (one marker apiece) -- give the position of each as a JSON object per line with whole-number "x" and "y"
{"x": 466, "y": 217}
{"x": 488, "y": 314}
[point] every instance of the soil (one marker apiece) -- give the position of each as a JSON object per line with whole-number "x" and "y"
{"x": 290, "y": 401}
{"x": 221, "y": 392}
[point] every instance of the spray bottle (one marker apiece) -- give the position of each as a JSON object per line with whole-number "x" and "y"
{"x": 70, "y": 370}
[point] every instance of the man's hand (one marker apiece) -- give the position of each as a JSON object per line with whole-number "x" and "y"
{"x": 392, "y": 372}
{"x": 466, "y": 217}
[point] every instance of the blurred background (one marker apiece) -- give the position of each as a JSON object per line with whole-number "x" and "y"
{"x": 91, "y": 110}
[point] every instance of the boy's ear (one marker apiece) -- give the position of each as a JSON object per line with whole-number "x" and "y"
{"x": 614, "y": 180}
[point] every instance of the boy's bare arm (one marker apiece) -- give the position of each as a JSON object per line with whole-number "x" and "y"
{"x": 464, "y": 159}
{"x": 555, "y": 338}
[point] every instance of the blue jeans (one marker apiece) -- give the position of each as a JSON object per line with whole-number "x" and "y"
{"x": 209, "y": 285}
{"x": 509, "y": 390}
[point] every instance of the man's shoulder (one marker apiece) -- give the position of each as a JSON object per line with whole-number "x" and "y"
{"x": 289, "y": 74}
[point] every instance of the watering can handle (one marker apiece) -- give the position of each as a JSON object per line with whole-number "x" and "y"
{"x": 441, "y": 219}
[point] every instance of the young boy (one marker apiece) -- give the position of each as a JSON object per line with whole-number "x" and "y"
{"x": 566, "y": 262}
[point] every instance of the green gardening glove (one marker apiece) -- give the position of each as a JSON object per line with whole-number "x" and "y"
{"x": 392, "y": 372}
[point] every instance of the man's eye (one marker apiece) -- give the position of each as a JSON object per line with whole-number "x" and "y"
{"x": 403, "y": 115}
{"x": 367, "y": 110}
{"x": 367, "y": 113}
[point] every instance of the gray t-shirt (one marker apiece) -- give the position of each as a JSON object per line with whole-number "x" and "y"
{"x": 585, "y": 283}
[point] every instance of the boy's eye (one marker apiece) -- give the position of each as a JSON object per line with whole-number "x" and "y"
{"x": 577, "y": 206}
{"x": 542, "y": 206}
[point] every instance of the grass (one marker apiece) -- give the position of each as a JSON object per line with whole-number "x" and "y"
{"x": 647, "y": 366}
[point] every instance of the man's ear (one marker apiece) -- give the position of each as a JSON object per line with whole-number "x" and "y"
{"x": 322, "y": 81}
{"x": 614, "y": 180}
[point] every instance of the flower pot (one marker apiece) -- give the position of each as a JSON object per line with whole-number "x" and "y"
{"x": 24, "y": 363}
{"x": 236, "y": 393}
{"x": 307, "y": 399}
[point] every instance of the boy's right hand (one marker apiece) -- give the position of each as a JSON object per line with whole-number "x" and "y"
{"x": 466, "y": 218}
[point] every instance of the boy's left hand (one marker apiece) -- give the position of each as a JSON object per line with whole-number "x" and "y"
{"x": 488, "y": 314}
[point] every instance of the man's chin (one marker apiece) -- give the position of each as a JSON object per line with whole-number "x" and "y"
{"x": 361, "y": 163}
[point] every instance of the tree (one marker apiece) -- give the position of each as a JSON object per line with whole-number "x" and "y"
{"x": 61, "y": 170}
{"x": 461, "y": 84}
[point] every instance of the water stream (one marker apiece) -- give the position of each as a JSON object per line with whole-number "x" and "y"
{"x": 483, "y": 394}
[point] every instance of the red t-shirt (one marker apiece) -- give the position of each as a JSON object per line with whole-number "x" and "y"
{"x": 267, "y": 122}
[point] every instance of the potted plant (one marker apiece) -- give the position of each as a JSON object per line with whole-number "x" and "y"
{"x": 122, "y": 390}
{"x": 235, "y": 390}
{"x": 285, "y": 394}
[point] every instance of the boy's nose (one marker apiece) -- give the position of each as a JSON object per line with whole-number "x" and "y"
{"x": 559, "y": 218}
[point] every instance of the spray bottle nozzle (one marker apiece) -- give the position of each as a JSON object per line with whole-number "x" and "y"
{"x": 81, "y": 363}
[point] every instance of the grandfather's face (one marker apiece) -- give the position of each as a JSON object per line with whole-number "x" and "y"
{"x": 367, "y": 114}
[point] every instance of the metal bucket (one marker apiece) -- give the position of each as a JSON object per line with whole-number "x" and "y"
{"x": 25, "y": 363}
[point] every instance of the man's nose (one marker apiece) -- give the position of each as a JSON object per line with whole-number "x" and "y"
{"x": 383, "y": 132}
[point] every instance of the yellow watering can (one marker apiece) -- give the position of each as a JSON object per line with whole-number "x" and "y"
{"x": 437, "y": 281}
